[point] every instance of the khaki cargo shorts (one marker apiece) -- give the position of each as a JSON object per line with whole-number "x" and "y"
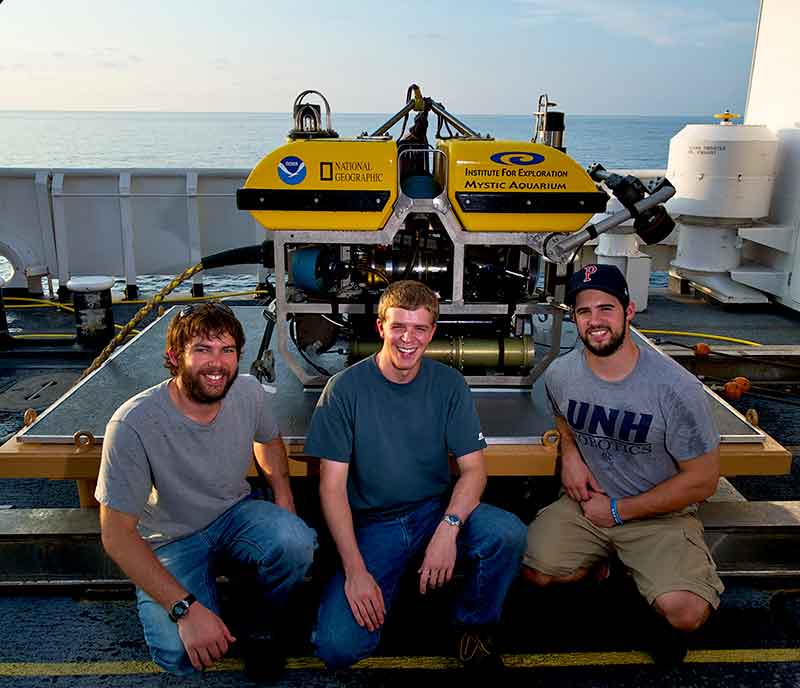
{"x": 664, "y": 554}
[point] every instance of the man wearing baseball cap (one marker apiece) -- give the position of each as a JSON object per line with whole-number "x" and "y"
{"x": 638, "y": 451}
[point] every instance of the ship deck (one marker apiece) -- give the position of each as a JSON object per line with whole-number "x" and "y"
{"x": 553, "y": 639}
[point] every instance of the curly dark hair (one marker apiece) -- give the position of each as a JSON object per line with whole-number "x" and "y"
{"x": 211, "y": 319}
{"x": 409, "y": 295}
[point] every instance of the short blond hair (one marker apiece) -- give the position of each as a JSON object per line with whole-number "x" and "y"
{"x": 408, "y": 295}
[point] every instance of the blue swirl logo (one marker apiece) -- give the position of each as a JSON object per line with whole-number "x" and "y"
{"x": 291, "y": 170}
{"x": 517, "y": 158}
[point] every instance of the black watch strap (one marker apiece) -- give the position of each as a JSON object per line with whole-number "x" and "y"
{"x": 181, "y": 608}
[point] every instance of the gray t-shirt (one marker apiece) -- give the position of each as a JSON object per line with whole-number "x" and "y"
{"x": 396, "y": 437}
{"x": 632, "y": 433}
{"x": 177, "y": 475}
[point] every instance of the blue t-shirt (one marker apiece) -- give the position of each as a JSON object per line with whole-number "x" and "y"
{"x": 396, "y": 437}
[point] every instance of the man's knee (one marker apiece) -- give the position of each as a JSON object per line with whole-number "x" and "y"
{"x": 295, "y": 546}
{"x": 684, "y": 610}
{"x": 342, "y": 650}
{"x": 336, "y": 655}
{"x": 536, "y": 577}
{"x": 513, "y": 537}
{"x": 161, "y": 635}
{"x": 542, "y": 579}
{"x": 285, "y": 553}
{"x": 173, "y": 660}
{"x": 499, "y": 532}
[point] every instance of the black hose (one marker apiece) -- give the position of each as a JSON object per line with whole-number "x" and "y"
{"x": 258, "y": 254}
{"x": 293, "y": 335}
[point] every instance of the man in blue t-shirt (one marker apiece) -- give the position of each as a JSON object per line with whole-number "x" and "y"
{"x": 638, "y": 450}
{"x": 384, "y": 429}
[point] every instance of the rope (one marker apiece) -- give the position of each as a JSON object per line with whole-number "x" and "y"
{"x": 143, "y": 312}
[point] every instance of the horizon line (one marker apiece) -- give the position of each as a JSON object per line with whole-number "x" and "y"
{"x": 289, "y": 114}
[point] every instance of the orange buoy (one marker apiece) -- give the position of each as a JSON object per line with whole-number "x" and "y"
{"x": 743, "y": 382}
{"x": 701, "y": 350}
{"x": 733, "y": 392}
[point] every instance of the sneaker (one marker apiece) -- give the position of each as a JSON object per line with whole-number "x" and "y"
{"x": 264, "y": 658}
{"x": 476, "y": 652}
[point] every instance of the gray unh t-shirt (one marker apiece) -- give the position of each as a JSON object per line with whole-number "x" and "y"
{"x": 173, "y": 473}
{"x": 632, "y": 433}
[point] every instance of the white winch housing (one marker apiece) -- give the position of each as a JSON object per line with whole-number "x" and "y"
{"x": 725, "y": 171}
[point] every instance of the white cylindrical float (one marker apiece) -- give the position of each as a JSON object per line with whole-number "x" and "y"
{"x": 724, "y": 175}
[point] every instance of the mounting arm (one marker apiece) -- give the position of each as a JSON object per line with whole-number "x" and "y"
{"x": 651, "y": 220}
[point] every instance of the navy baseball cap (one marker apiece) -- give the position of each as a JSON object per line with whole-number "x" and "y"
{"x": 607, "y": 278}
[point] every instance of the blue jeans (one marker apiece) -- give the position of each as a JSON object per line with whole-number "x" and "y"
{"x": 274, "y": 544}
{"x": 490, "y": 547}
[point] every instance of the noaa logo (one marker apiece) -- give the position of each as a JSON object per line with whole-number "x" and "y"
{"x": 517, "y": 158}
{"x": 291, "y": 170}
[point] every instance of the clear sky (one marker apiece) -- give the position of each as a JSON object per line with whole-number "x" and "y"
{"x": 475, "y": 56}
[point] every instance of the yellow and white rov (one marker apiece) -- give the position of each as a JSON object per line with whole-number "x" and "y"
{"x": 489, "y": 224}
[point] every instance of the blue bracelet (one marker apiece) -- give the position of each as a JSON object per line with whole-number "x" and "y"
{"x": 614, "y": 513}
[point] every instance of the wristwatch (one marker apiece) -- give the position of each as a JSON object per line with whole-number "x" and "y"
{"x": 453, "y": 520}
{"x": 181, "y": 608}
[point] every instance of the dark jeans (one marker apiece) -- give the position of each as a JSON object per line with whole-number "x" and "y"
{"x": 490, "y": 547}
{"x": 277, "y": 545}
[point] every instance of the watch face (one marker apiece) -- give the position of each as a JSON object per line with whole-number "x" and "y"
{"x": 179, "y": 610}
{"x": 181, "y": 607}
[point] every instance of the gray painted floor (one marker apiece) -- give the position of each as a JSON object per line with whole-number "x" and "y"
{"x": 59, "y": 627}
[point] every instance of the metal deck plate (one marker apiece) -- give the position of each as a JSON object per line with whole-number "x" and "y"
{"x": 507, "y": 417}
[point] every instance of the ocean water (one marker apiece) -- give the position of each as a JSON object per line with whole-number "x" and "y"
{"x": 52, "y": 140}
{"x": 240, "y": 140}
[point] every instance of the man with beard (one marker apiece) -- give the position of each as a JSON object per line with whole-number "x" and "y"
{"x": 638, "y": 451}
{"x": 174, "y": 499}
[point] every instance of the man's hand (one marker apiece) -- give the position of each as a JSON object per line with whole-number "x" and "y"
{"x": 576, "y": 477}
{"x": 366, "y": 600}
{"x": 597, "y": 508}
{"x": 204, "y": 635}
{"x": 440, "y": 559}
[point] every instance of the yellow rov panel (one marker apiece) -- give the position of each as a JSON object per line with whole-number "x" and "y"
{"x": 513, "y": 186}
{"x": 329, "y": 184}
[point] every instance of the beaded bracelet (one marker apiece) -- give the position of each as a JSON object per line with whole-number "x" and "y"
{"x": 614, "y": 513}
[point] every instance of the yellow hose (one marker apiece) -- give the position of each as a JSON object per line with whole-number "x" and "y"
{"x": 209, "y": 297}
{"x": 43, "y": 335}
{"x": 54, "y": 335}
{"x": 37, "y": 303}
{"x": 703, "y": 335}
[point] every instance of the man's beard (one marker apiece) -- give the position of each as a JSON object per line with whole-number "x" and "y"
{"x": 611, "y": 346}
{"x": 193, "y": 387}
